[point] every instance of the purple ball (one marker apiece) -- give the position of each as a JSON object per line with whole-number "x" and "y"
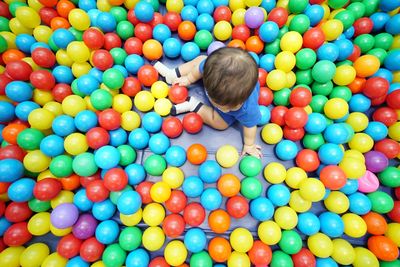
{"x": 85, "y": 227}
{"x": 64, "y": 215}
{"x": 254, "y": 17}
{"x": 376, "y": 161}
{"x": 214, "y": 46}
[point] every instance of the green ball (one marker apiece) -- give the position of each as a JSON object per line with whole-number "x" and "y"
{"x": 273, "y": 48}
{"x": 3, "y": 44}
{"x": 305, "y": 58}
{"x": 4, "y": 25}
{"x": 341, "y": 92}
{"x": 381, "y": 202}
{"x": 201, "y": 259}
{"x": 53, "y": 45}
{"x": 358, "y": 9}
{"x": 154, "y": 3}
{"x": 383, "y": 40}
{"x": 75, "y": 89}
{"x": 344, "y": 62}
{"x": 371, "y": 6}
{"x": 203, "y": 39}
{"x": 37, "y": 205}
{"x": 318, "y": 102}
{"x": 323, "y": 71}
{"x": 125, "y": 29}
{"x": 304, "y": 77}
{"x": 281, "y": 259}
{"x": 322, "y": 88}
{"x": 130, "y": 238}
{"x": 299, "y": 23}
{"x": 281, "y": 97}
{"x": 77, "y": 34}
{"x": 114, "y": 255}
{"x": 84, "y": 164}
{"x": 250, "y": 166}
{"x": 119, "y": 55}
{"x": 282, "y": 31}
{"x": 113, "y": 79}
{"x": 119, "y": 13}
{"x": 30, "y": 138}
{"x": 380, "y": 53}
{"x": 394, "y": 263}
{"x": 61, "y": 166}
{"x": 155, "y": 165}
{"x": 128, "y": 155}
{"x": 13, "y": 6}
{"x": 101, "y": 99}
{"x": 251, "y": 187}
{"x": 297, "y": 6}
{"x": 346, "y": 17}
{"x": 336, "y": 4}
{"x": 290, "y": 242}
{"x": 365, "y": 41}
{"x": 114, "y": 195}
{"x": 313, "y": 141}
{"x": 390, "y": 177}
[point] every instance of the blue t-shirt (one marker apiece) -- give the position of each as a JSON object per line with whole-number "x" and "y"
{"x": 248, "y": 114}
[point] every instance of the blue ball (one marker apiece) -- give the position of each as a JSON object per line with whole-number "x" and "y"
{"x": 103, "y": 210}
{"x": 279, "y": 194}
{"x": 265, "y": 115}
{"x": 316, "y": 123}
{"x": 377, "y": 130}
{"x": 4, "y": 225}
{"x": 77, "y": 262}
{"x": 139, "y": 138}
{"x": 328, "y": 51}
{"x": 359, "y": 103}
{"x": 190, "y": 51}
{"x": 392, "y": 26}
{"x": 190, "y": 2}
{"x": 336, "y": 133}
{"x": 107, "y": 157}
{"x": 137, "y": 258}
{"x": 195, "y": 240}
{"x": 152, "y": 122}
{"x": 24, "y": 42}
{"x": 269, "y": 31}
{"x": 359, "y": 203}
{"x": 349, "y": 33}
{"x": 10, "y": 170}
{"x": 330, "y": 154}
{"x": 21, "y": 190}
{"x": 268, "y": 5}
{"x": 87, "y": 5}
{"x": 350, "y": 187}
{"x": 129, "y": 202}
{"x": 392, "y": 61}
{"x": 52, "y": 145}
{"x": 286, "y": 150}
{"x": 205, "y": 22}
{"x": 172, "y": 47}
{"x": 308, "y": 223}
{"x": 331, "y": 224}
{"x": 315, "y": 13}
{"x": 107, "y": 232}
{"x": 161, "y": 32}
{"x": 384, "y": 73}
{"x": 189, "y": 13}
{"x": 389, "y": 5}
{"x": 205, "y": 6}
{"x": 218, "y": 3}
{"x": 118, "y": 137}
{"x": 144, "y": 11}
{"x": 62, "y": 38}
{"x": 7, "y": 111}
{"x": 261, "y": 209}
{"x": 19, "y": 91}
{"x": 175, "y": 156}
{"x": 87, "y": 84}
{"x": 39, "y": 44}
{"x": 159, "y": 143}
{"x": 81, "y": 201}
{"x": 209, "y": 171}
{"x": 267, "y": 62}
{"x": 345, "y": 48}
{"x": 106, "y": 22}
{"x": 23, "y": 109}
{"x": 326, "y": 262}
{"x": 98, "y": 74}
{"x": 93, "y": 14}
{"x": 192, "y": 186}
{"x": 379, "y": 20}
{"x": 133, "y": 63}
{"x": 136, "y": 173}
{"x": 63, "y": 74}
{"x": 211, "y": 199}
{"x": 122, "y": 69}
{"x": 255, "y": 57}
{"x": 63, "y": 125}
{"x": 85, "y": 120}
{"x": 393, "y": 87}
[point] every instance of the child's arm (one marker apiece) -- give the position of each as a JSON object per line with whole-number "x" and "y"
{"x": 249, "y": 145}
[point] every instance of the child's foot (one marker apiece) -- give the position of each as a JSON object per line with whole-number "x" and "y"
{"x": 170, "y": 75}
{"x": 191, "y": 104}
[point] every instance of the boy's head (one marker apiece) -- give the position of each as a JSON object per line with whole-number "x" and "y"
{"x": 229, "y": 76}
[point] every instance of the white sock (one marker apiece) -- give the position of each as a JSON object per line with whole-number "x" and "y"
{"x": 170, "y": 75}
{"x": 192, "y": 104}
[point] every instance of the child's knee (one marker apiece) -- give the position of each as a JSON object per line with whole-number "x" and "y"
{"x": 221, "y": 126}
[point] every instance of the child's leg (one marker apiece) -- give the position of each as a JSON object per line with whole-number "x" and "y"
{"x": 187, "y": 67}
{"x": 212, "y": 118}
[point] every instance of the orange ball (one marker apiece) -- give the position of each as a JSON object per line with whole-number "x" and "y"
{"x": 152, "y": 49}
{"x": 196, "y": 154}
{"x": 116, "y": 2}
{"x": 376, "y": 223}
{"x": 357, "y": 85}
{"x": 383, "y": 248}
{"x": 64, "y": 7}
{"x": 219, "y": 249}
{"x": 186, "y": 30}
{"x": 228, "y": 185}
{"x": 255, "y": 44}
{"x": 219, "y": 221}
{"x": 366, "y": 65}
{"x": 11, "y": 131}
{"x": 58, "y": 23}
{"x": 237, "y": 43}
{"x": 70, "y": 183}
{"x": 12, "y": 55}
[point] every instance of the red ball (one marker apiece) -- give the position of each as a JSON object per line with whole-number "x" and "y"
{"x": 296, "y": 117}
{"x": 102, "y": 59}
{"x": 93, "y": 38}
{"x": 192, "y": 123}
{"x": 96, "y": 191}
{"x": 172, "y": 127}
{"x": 42, "y": 79}
{"x": 279, "y": 15}
{"x": 300, "y": 97}
{"x": 394, "y": 214}
{"x": 241, "y": 32}
{"x": 173, "y": 225}
{"x": 237, "y": 207}
{"x": 143, "y": 31}
{"x": 4, "y": 80}
{"x": 293, "y": 134}
{"x": 389, "y": 147}
{"x": 313, "y": 38}
{"x": 177, "y": 94}
{"x": 265, "y": 97}
{"x": 172, "y": 20}
{"x": 304, "y": 258}
{"x": 111, "y": 40}
{"x": 222, "y": 13}
{"x": 278, "y": 114}
{"x": 2, "y": 245}
{"x": 308, "y": 160}
{"x": 131, "y": 86}
{"x": 194, "y": 214}
{"x": 17, "y": 234}
{"x": 47, "y": 14}
{"x": 378, "y": 101}
{"x": 133, "y": 45}
{"x": 147, "y": 75}
{"x": 4, "y": 10}
{"x": 115, "y": 179}
{"x": 260, "y": 254}
{"x": 176, "y": 202}
{"x": 144, "y": 191}
{"x": 12, "y": 152}
{"x": 47, "y": 189}
{"x": 109, "y": 119}
{"x": 376, "y": 87}
{"x": 91, "y": 250}
{"x": 69, "y": 246}
{"x": 44, "y": 57}
{"x": 262, "y": 76}
{"x": 132, "y": 17}
{"x": 387, "y": 116}
{"x": 393, "y": 99}
{"x": 157, "y": 19}
{"x": 2, "y": 208}
{"x": 396, "y": 192}
{"x": 17, "y": 212}
{"x": 355, "y": 54}
{"x": 333, "y": 177}
{"x": 19, "y": 70}
{"x": 85, "y": 180}
{"x": 158, "y": 262}
{"x": 97, "y": 137}
{"x": 362, "y": 26}
{"x": 61, "y": 91}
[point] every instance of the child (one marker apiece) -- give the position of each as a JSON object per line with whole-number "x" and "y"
{"x": 230, "y": 77}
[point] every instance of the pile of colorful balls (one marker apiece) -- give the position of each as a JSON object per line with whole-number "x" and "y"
{"x": 80, "y": 104}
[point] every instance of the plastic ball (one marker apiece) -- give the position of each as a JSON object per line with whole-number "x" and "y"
{"x": 192, "y": 186}
{"x": 153, "y": 238}
{"x": 160, "y": 192}
{"x": 172, "y": 127}
{"x": 228, "y": 185}
{"x": 175, "y": 253}
{"x": 364, "y": 257}
{"x": 241, "y": 240}
{"x": 383, "y": 248}
{"x": 312, "y": 189}
{"x": 238, "y": 206}
{"x": 271, "y": 133}
{"x": 269, "y": 232}
{"x": 286, "y": 150}
{"x": 222, "y": 30}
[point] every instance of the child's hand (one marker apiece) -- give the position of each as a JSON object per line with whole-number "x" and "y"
{"x": 252, "y": 150}
{"x": 182, "y": 81}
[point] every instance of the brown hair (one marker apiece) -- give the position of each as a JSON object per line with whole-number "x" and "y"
{"x": 229, "y": 76}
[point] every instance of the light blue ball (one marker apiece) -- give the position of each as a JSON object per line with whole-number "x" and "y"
{"x": 10, "y": 170}
{"x": 330, "y": 154}
{"x": 193, "y": 186}
{"x": 103, "y": 210}
{"x": 286, "y": 150}
{"x": 279, "y": 194}
{"x": 195, "y": 240}
{"x": 152, "y": 122}
{"x": 63, "y": 125}
{"x": 360, "y": 204}
{"x": 85, "y": 120}
{"x": 129, "y": 202}
{"x": 172, "y": 47}
{"x": 81, "y": 200}
{"x": 107, "y": 232}
{"x": 137, "y": 258}
{"x": 211, "y": 199}
{"x": 209, "y": 171}
{"x": 261, "y": 209}
{"x": 139, "y": 138}
{"x": 107, "y": 157}
{"x": 331, "y": 224}
{"x": 175, "y": 156}
{"x": 316, "y": 123}
{"x": 21, "y": 190}
{"x": 205, "y": 22}
{"x": 136, "y": 173}
{"x": 144, "y": 11}
{"x": 308, "y": 223}
{"x": 190, "y": 50}
{"x": 159, "y": 143}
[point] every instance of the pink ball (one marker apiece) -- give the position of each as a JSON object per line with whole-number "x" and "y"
{"x": 368, "y": 183}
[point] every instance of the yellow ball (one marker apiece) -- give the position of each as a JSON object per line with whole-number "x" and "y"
{"x": 393, "y": 232}
{"x": 42, "y": 33}
{"x": 73, "y": 104}
{"x": 294, "y": 176}
{"x": 361, "y": 142}
{"x": 79, "y": 19}
{"x": 227, "y": 156}
{"x": 36, "y": 161}
{"x": 163, "y": 106}
{"x": 354, "y": 154}
{"x": 39, "y": 224}
{"x": 276, "y": 80}
{"x": 173, "y": 176}
{"x": 122, "y": 103}
{"x": 10, "y": 256}
{"x": 272, "y": 133}
{"x": 35, "y": 4}
{"x": 353, "y": 168}
{"x": 144, "y": 101}
{"x": 103, "y": 5}
{"x": 236, "y": 4}
{"x": 159, "y": 89}
{"x": 18, "y": 28}
{"x": 32, "y": 63}
{"x": 62, "y": 197}
{"x": 63, "y": 58}
{"x": 337, "y": 202}
{"x": 75, "y": 144}
{"x": 42, "y": 97}
{"x": 78, "y": 51}
{"x": 394, "y": 131}
{"x": 174, "y": 5}
{"x": 282, "y": 3}
{"x": 131, "y": 219}
{"x": 54, "y": 107}
{"x": 54, "y": 259}
{"x": 175, "y": 253}
{"x": 286, "y": 218}
{"x": 239, "y": 259}
{"x": 364, "y": 258}
{"x": 336, "y": 108}
{"x": 291, "y": 41}
{"x": 290, "y": 79}
{"x": 222, "y": 30}
{"x": 153, "y": 238}
{"x": 45, "y": 174}
{"x": 275, "y": 173}
{"x": 238, "y": 16}
{"x": 250, "y": 3}
{"x": 130, "y": 120}
{"x": 41, "y": 119}
{"x": 28, "y": 16}
{"x": 269, "y": 232}
{"x": 354, "y": 225}
{"x": 299, "y": 204}
{"x": 241, "y": 240}
{"x": 344, "y": 75}
{"x": 285, "y": 61}
{"x": 80, "y": 68}
{"x": 160, "y": 192}
{"x": 98, "y": 264}
{"x": 130, "y": 3}
{"x": 358, "y": 121}
{"x": 320, "y": 245}
{"x": 343, "y": 252}
{"x": 332, "y": 29}
{"x": 34, "y": 255}
{"x": 10, "y": 39}
{"x": 153, "y": 214}
{"x": 312, "y": 189}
